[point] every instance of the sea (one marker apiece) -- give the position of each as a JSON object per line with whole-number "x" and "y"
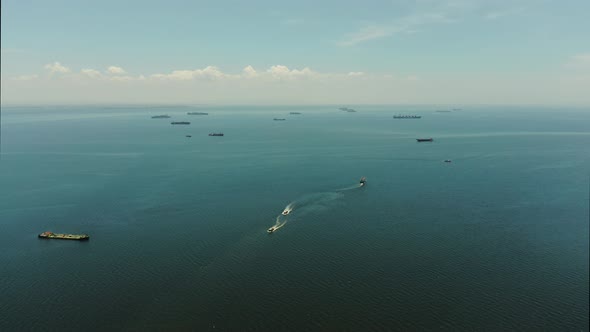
{"x": 495, "y": 240}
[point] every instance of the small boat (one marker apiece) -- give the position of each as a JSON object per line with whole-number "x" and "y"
{"x": 448, "y": 160}
{"x": 363, "y": 181}
{"x": 272, "y": 229}
{"x": 424, "y": 139}
{"x": 51, "y": 235}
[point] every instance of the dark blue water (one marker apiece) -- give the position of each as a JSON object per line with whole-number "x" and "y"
{"x": 495, "y": 240}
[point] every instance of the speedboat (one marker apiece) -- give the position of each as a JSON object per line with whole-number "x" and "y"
{"x": 272, "y": 229}
{"x": 363, "y": 181}
{"x": 286, "y": 212}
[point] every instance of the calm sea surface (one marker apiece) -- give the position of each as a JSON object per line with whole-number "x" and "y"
{"x": 495, "y": 240}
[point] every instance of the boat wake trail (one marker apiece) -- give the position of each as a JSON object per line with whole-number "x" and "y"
{"x": 312, "y": 203}
{"x": 350, "y": 188}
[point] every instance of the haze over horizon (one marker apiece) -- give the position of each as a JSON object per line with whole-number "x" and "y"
{"x": 227, "y": 52}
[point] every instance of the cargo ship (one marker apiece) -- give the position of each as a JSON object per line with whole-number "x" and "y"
{"x": 216, "y": 134}
{"x": 346, "y": 109}
{"x": 51, "y": 235}
{"x": 180, "y": 123}
{"x": 197, "y": 113}
{"x": 407, "y": 116}
{"x": 424, "y": 139}
{"x": 161, "y": 116}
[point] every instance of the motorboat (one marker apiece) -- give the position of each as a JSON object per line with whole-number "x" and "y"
{"x": 363, "y": 181}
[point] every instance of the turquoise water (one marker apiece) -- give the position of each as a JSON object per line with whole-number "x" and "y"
{"x": 495, "y": 240}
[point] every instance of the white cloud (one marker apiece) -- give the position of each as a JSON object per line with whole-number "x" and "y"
{"x": 116, "y": 70}
{"x": 283, "y": 72}
{"x": 91, "y": 73}
{"x": 26, "y": 77}
{"x": 407, "y": 24}
{"x": 356, "y": 73}
{"x": 56, "y": 67}
{"x": 249, "y": 72}
{"x": 207, "y": 73}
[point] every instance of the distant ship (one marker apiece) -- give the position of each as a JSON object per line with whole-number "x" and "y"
{"x": 346, "y": 109}
{"x": 443, "y": 111}
{"x": 277, "y": 119}
{"x": 51, "y": 235}
{"x": 180, "y": 123}
{"x": 216, "y": 134}
{"x": 188, "y": 135}
{"x": 160, "y": 116}
{"x": 448, "y": 160}
{"x": 294, "y": 113}
{"x": 197, "y": 113}
{"x": 424, "y": 139}
{"x": 363, "y": 181}
{"x": 407, "y": 117}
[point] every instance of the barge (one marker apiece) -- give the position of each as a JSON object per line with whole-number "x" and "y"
{"x": 51, "y": 235}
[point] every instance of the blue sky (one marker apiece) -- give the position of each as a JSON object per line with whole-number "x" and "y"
{"x": 410, "y": 46}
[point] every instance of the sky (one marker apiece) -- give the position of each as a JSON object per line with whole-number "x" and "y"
{"x": 451, "y": 52}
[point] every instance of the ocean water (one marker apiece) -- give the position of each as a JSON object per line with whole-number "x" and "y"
{"x": 495, "y": 240}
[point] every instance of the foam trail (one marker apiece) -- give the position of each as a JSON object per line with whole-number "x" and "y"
{"x": 350, "y": 188}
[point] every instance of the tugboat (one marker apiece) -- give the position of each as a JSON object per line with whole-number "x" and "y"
{"x": 363, "y": 181}
{"x": 424, "y": 139}
{"x": 51, "y": 235}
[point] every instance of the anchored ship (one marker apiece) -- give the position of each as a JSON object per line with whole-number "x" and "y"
{"x": 407, "y": 116}
{"x": 346, "y": 109}
{"x": 165, "y": 116}
{"x": 180, "y": 123}
{"x": 51, "y": 235}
